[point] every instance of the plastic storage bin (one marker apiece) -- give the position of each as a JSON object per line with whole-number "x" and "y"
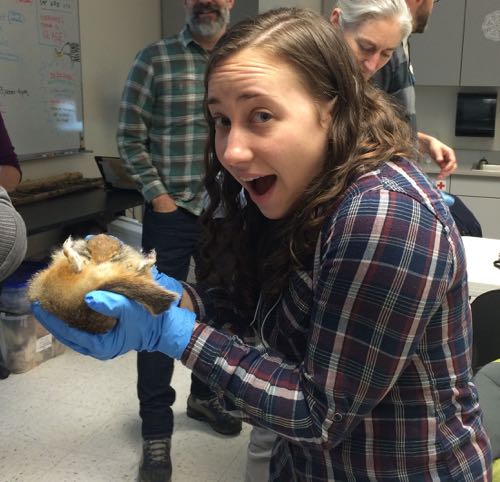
{"x": 13, "y": 296}
{"x": 24, "y": 343}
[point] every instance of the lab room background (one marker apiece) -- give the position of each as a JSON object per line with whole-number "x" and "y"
{"x": 113, "y": 31}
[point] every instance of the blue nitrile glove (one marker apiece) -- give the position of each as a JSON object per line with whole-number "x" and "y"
{"x": 136, "y": 329}
{"x": 448, "y": 199}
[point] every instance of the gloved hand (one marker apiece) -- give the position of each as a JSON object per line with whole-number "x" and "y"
{"x": 136, "y": 329}
{"x": 448, "y": 199}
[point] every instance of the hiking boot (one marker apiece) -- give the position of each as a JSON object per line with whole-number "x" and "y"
{"x": 4, "y": 372}
{"x": 211, "y": 411}
{"x": 156, "y": 465}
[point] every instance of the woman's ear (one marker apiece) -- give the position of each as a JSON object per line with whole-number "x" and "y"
{"x": 335, "y": 17}
{"x": 326, "y": 112}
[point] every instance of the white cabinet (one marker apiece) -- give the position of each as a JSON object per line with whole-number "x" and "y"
{"x": 436, "y": 54}
{"x": 461, "y": 45}
{"x": 481, "y": 48}
{"x": 482, "y": 196}
{"x": 486, "y": 211}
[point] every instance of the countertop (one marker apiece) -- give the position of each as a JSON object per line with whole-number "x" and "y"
{"x": 461, "y": 171}
{"x": 467, "y": 159}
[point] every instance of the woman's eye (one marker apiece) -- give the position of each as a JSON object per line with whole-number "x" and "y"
{"x": 365, "y": 48}
{"x": 221, "y": 121}
{"x": 262, "y": 117}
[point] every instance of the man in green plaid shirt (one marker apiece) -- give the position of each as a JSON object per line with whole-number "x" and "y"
{"x": 161, "y": 140}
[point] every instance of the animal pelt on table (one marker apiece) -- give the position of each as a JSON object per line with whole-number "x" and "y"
{"x": 100, "y": 263}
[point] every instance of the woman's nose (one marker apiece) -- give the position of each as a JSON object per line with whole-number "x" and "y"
{"x": 236, "y": 149}
{"x": 372, "y": 64}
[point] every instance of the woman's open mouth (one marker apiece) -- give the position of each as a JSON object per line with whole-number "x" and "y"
{"x": 260, "y": 185}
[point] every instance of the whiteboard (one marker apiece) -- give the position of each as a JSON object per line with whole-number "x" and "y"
{"x": 41, "y": 77}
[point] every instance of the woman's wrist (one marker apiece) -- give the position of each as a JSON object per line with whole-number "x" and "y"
{"x": 186, "y": 302}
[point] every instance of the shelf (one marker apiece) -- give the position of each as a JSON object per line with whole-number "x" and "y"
{"x": 77, "y": 207}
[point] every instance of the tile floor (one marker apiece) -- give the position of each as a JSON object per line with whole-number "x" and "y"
{"x": 75, "y": 419}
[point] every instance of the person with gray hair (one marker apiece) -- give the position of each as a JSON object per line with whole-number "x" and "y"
{"x": 371, "y": 29}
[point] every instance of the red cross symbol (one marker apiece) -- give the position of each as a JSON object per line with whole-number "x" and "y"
{"x": 441, "y": 185}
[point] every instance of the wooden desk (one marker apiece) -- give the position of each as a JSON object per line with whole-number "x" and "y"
{"x": 480, "y": 254}
{"x": 77, "y": 207}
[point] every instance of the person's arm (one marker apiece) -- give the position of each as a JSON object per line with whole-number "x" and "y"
{"x": 133, "y": 136}
{"x": 374, "y": 296}
{"x": 440, "y": 153}
{"x": 10, "y": 177}
{"x": 13, "y": 241}
{"x": 10, "y": 171}
{"x": 385, "y": 268}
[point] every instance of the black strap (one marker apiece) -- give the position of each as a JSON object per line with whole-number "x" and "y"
{"x": 496, "y": 263}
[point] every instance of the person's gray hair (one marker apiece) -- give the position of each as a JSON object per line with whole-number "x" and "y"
{"x": 355, "y": 12}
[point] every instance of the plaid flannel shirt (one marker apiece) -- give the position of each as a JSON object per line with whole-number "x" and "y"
{"x": 366, "y": 374}
{"x": 162, "y": 130}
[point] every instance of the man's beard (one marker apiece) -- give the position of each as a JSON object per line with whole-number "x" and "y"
{"x": 210, "y": 27}
{"x": 421, "y": 22}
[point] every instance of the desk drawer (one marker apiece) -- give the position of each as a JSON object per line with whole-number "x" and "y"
{"x": 475, "y": 186}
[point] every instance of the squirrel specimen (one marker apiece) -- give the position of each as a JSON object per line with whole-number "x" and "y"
{"x": 100, "y": 263}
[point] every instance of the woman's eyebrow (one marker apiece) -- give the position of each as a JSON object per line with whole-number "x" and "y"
{"x": 367, "y": 41}
{"x": 245, "y": 96}
{"x": 212, "y": 101}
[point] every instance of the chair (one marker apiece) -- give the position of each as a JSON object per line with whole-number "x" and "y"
{"x": 485, "y": 329}
{"x": 466, "y": 222}
{"x": 487, "y": 381}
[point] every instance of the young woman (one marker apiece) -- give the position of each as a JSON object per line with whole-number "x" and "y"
{"x": 340, "y": 256}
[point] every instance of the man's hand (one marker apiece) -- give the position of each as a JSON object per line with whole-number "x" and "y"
{"x": 441, "y": 154}
{"x": 163, "y": 204}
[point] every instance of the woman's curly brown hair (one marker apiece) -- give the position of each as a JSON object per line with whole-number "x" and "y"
{"x": 242, "y": 249}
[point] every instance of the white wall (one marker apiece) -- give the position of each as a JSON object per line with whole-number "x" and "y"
{"x": 436, "y": 111}
{"x": 111, "y": 33}
{"x": 265, "y": 5}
